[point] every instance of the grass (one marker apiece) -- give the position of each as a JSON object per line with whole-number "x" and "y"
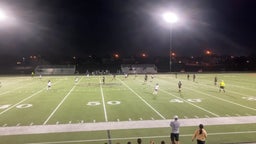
{"x": 25, "y": 101}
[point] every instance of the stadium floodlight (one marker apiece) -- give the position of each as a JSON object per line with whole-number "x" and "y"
{"x": 171, "y": 18}
{"x": 3, "y": 16}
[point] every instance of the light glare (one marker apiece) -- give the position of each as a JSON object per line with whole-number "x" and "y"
{"x": 2, "y": 15}
{"x": 170, "y": 17}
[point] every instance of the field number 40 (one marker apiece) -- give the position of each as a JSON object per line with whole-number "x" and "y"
{"x": 189, "y": 100}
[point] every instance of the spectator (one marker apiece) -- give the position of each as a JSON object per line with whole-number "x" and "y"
{"x": 175, "y": 125}
{"x": 139, "y": 141}
{"x": 200, "y": 135}
{"x": 152, "y": 142}
{"x": 129, "y": 143}
{"x": 162, "y": 142}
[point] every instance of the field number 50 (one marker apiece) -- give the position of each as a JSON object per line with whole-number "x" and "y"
{"x": 95, "y": 103}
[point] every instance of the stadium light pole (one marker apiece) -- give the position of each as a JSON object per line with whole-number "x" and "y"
{"x": 170, "y": 18}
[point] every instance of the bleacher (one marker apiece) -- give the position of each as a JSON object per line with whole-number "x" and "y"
{"x": 139, "y": 69}
{"x": 55, "y": 70}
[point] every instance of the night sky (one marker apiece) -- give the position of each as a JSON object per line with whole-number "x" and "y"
{"x": 128, "y": 27}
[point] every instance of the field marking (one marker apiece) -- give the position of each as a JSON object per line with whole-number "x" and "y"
{"x": 61, "y": 103}
{"x": 22, "y": 101}
{"x": 143, "y": 137}
{"x": 159, "y": 114}
{"x": 228, "y": 101}
{"x": 214, "y": 87}
{"x": 189, "y": 102}
{"x": 103, "y": 102}
{"x": 121, "y": 125}
{"x": 212, "y": 113}
{"x": 228, "y": 91}
{"x": 8, "y": 91}
{"x": 218, "y": 97}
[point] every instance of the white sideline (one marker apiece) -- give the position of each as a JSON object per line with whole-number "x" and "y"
{"x": 43, "y": 129}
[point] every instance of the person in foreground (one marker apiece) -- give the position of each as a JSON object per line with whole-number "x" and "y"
{"x": 200, "y": 135}
{"x": 175, "y": 125}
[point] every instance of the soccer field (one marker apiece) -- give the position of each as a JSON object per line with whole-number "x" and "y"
{"x": 25, "y": 102}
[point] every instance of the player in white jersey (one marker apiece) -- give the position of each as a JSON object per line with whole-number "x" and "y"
{"x": 49, "y": 85}
{"x": 76, "y": 80}
{"x": 156, "y": 89}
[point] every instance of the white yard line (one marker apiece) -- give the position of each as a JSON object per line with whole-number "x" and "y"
{"x": 22, "y": 101}
{"x": 144, "y": 137}
{"x": 142, "y": 99}
{"x": 121, "y": 125}
{"x": 14, "y": 89}
{"x": 223, "y": 99}
{"x": 61, "y": 103}
{"x": 212, "y": 113}
{"x": 219, "y": 97}
{"x": 103, "y": 103}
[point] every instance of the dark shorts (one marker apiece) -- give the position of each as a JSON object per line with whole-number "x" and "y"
{"x": 222, "y": 87}
{"x": 174, "y": 136}
{"x": 200, "y": 142}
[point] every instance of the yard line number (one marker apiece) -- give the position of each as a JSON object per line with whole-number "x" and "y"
{"x": 21, "y": 106}
{"x": 95, "y": 103}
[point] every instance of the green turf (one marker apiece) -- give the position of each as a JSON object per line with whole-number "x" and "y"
{"x": 25, "y": 101}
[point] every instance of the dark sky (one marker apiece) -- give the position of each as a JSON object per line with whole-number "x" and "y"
{"x": 128, "y": 27}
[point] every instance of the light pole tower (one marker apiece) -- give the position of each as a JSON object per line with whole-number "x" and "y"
{"x": 171, "y": 18}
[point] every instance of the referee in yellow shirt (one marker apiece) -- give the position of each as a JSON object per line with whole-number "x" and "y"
{"x": 200, "y": 135}
{"x": 222, "y": 86}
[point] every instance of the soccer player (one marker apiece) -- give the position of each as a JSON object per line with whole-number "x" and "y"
{"x": 145, "y": 78}
{"x": 32, "y": 74}
{"x": 114, "y": 77}
{"x": 49, "y": 85}
{"x": 156, "y": 89}
{"x": 215, "y": 80}
{"x": 103, "y": 79}
{"x": 175, "y": 125}
{"x": 194, "y": 77}
{"x": 125, "y": 75}
{"x": 179, "y": 86}
{"x": 222, "y": 86}
{"x": 188, "y": 77}
{"x": 76, "y": 80}
{"x": 152, "y": 77}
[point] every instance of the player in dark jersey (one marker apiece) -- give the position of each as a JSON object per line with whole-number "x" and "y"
{"x": 179, "y": 86}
